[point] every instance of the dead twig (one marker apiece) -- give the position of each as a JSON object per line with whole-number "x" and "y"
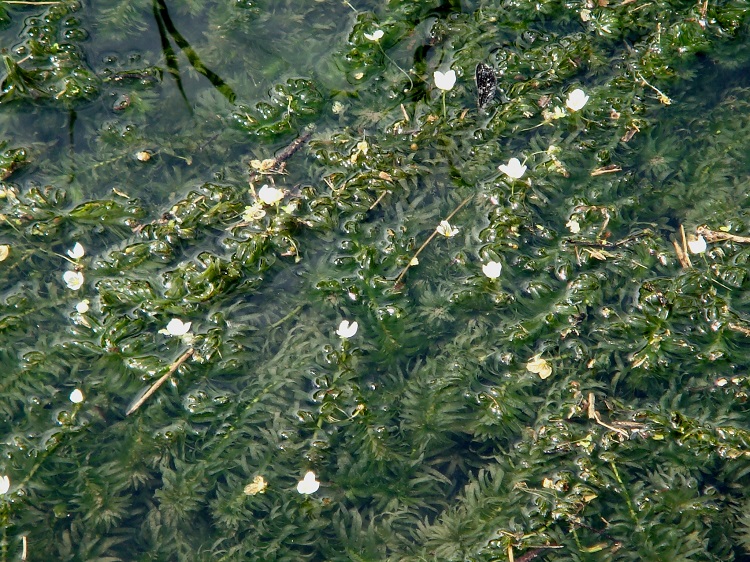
{"x": 154, "y": 387}
{"x": 276, "y": 162}
{"x": 719, "y": 236}
{"x": 682, "y": 251}
{"x": 594, "y": 415}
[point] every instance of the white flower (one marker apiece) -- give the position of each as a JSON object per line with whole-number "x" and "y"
{"x": 376, "y": 35}
{"x": 446, "y": 229}
{"x": 176, "y": 327}
{"x": 253, "y": 213}
{"x": 4, "y": 251}
{"x": 539, "y": 366}
{"x": 270, "y": 195}
{"x": 576, "y": 99}
{"x": 73, "y": 279}
{"x": 4, "y": 484}
{"x": 77, "y": 251}
{"x": 513, "y": 169}
{"x": 574, "y": 226}
{"x": 308, "y": 485}
{"x": 492, "y": 269}
{"x": 346, "y": 330}
{"x": 76, "y": 396}
{"x": 445, "y": 80}
{"x": 696, "y": 245}
{"x": 83, "y": 306}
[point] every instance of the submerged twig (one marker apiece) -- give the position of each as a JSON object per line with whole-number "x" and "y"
{"x": 424, "y": 245}
{"x": 283, "y": 156}
{"x": 719, "y": 236}
{"x": 154, "y": 387}
{"x": 594, "y": 415}
{"x": 682, "y": 251}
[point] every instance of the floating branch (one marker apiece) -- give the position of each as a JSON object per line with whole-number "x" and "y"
{"x": 154, "y": 387}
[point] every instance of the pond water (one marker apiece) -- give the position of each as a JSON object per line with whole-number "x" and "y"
{"x": 270, "y": 293}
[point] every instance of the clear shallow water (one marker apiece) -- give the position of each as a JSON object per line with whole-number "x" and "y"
{"x": 589, "y": 403}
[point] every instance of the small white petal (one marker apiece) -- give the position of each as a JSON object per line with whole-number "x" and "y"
{"x": 376, "y": 35}
{"x": 347, "y": 330}
{"x": 696, "y": 245}
{"x": 492, "y": 269}
{"x": 445, "y": 80}
{"x": 83, "y": 306}
{"x": 76, "y": 396}
{"x": 513, "y": 169}
{"x": 4, "y": 484}
{"x": 177, "y": 327}
{"x": 270, "y": 195}
{"x": 576, "y": 99}
{"x": 73, "y": 279}
{"x": 308, "y": 485}
{"x": 77, "y": 251}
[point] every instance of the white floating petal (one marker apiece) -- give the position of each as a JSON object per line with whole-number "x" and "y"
{"x": 76, "y": 396}
{"x": 376, "y": 35}
{"x": 4, "y": 484}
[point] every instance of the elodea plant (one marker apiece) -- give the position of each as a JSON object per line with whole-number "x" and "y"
{"x": 416, "y": 280}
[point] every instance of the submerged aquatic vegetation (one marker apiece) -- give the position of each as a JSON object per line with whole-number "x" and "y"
{"x": 556, "y": 379}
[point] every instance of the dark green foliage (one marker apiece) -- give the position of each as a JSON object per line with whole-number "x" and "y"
{"x": 149, "y": 132}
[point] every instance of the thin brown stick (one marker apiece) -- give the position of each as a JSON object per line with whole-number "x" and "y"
{"x": 424, "y": 245}
{"x": 284, "y": 155}
{"x": 719, "y": 236}
{"x": 378, "y": 200}
{"x": 154, "y": 387}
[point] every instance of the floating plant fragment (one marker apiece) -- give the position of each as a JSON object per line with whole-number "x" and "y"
{"x": 257, "y": 486}
{"x": 539, "y": 366}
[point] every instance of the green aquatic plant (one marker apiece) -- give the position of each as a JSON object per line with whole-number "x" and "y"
{"x": 270, "y": 292}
